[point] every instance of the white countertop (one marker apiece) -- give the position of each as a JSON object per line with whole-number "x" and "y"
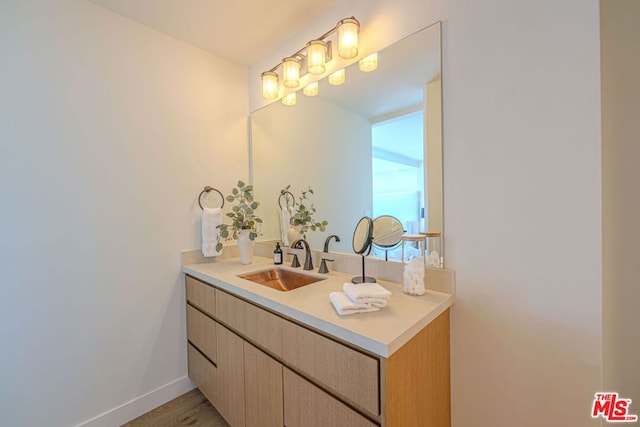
{"x": 380, "y": 332}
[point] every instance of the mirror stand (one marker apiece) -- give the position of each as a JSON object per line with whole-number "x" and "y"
{"x": 363, "y": 278}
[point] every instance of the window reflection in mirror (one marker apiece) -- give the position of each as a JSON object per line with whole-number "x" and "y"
{"x": 326, "y": 142}
{"x": 398, "y": 169}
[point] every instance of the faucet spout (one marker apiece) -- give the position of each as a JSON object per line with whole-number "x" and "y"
{"x": 326, "y": 242}
{"x": 298, "y": 244}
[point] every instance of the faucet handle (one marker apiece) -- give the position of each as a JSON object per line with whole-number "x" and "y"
{"x": 308, "y": 262}
{"x": 294, "y": 262}
{"x": 323, "y": 265}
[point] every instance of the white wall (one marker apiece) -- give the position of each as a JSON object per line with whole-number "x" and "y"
{"x": 522, "y": 197}
{"x": 108, "y": 132}
{"x": 621, "y": 205}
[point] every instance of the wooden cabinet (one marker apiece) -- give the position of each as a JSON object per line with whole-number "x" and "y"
{"x": 201, "y": 332}
{"x": 229, "y": 387}
{"x": 258, "y": 325}
{"x": 416, "y": 388}
{"x": 306, "y": 405}
{"x": 345, "y": 371}
{"x": 263, "y": 389}
{"x": 201, "y": 295}
{"x": 260, "y": 369}
{"x": 202, "y": 337}
{"x": 202, "y": 372}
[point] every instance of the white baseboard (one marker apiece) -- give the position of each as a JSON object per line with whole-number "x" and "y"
{"x": 140, "y": 405}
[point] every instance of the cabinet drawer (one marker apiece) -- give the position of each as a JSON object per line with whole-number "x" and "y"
{"x": 202, "y": 372}
{"x": 201, "y": 295}
{"x": 201, "y": 332}
{"x": 350, "y": 373}
{"x": 305, "y": 405}
{"x": 258, "y": 325}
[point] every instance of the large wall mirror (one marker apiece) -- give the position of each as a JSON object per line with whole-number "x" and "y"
{"x": 372, "y": 146}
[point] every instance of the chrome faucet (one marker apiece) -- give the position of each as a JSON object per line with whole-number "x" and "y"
{"x": 323, "y": 264}
{"x": 308, "y": 263}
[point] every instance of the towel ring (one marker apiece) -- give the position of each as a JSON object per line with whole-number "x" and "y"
{"x": 206, "y": 190}
{"x": 286, "y": 195}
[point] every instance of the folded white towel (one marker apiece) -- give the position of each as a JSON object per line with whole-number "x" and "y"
{"x": 344, "y": 306}
{"x": 374, "y": 302}
{"x": 367, "y": 293}
{"x": 211, "y": 218}
{"x": 285, "y": 219}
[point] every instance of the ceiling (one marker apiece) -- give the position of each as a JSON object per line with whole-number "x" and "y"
{"x": 242, "y": 31}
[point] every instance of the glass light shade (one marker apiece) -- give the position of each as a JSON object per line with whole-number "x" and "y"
{"x": 291, "y": 72}
{"x": 311, "y": 89}
{"x": 348, "y": 38}
{"x": 289, "y": 99}
{"x": 338, "y": 77}
{"x": 316, "y": 56}
{"x": 369, "y": 63}
{"x": 269, "y": 84}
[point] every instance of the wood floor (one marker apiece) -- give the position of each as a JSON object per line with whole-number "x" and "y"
{"x": 190, "y": 409}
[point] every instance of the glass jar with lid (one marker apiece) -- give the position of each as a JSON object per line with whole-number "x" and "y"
{"x": 433, "y": 245}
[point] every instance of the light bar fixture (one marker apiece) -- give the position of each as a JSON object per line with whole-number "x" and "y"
{"x": 316, "y": 57}
{"x": 312, "y": 59}
{"x": 269, "y": 84}
{"x": 291, "y": 72}
{"x": 348, "y": 38}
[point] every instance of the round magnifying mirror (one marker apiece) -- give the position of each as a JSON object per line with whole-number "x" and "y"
{"x": 362, "y": 236}
{"x": 387, "y": 231}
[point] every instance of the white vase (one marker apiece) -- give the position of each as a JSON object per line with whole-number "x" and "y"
{"x": 245, "y": 245}
{"x": 294, "y": 233}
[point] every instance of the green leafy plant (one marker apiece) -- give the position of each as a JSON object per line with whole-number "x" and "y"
{"x": 243, "y": 215}
{"x": 303, "y": 216}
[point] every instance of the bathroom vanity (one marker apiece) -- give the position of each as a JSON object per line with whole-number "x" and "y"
{"x": 265, "y": 357}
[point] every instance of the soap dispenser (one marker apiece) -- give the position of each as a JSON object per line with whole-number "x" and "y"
{"x": 277, "y": 254}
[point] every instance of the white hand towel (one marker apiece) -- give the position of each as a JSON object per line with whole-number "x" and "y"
{"x": 344, "y": 306}
{"x": 285, "y": 219}
{"x": 211, "y": 218}
{"x": 367, "y": 293}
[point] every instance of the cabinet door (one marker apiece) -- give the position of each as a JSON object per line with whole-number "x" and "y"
{"x": 263, "y": 389}
{"x": 305, "y": 405}
{"x": 229, "y": 387}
